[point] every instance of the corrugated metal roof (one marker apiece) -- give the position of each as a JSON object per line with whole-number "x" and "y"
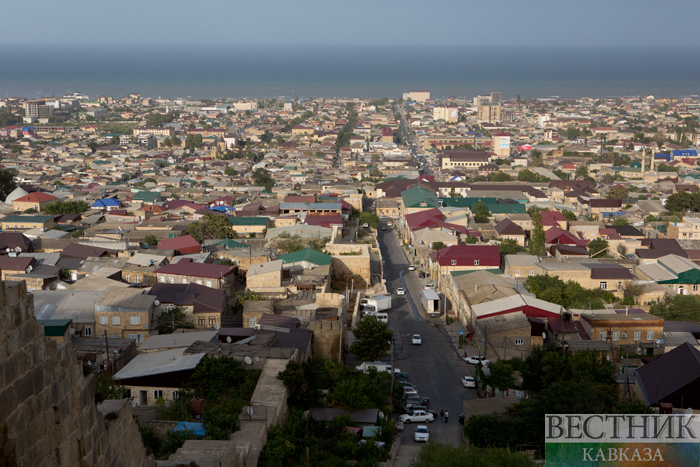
{"x": 158, "y": 363}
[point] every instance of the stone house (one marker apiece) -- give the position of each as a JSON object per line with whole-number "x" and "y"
{"x": 638, "y": 329}
{"x": 186, "y": 271}
{"x": 125, "y": 313}
{"x": 265, "y": 275}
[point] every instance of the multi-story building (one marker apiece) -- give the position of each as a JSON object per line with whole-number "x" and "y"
{"x": 448, "y": 114}
{"x": 464, "y": 160}
{"x": 500, "y": 144}
{"x": 489, "y": 113}
{"x": 124, "y": 313}
{"x": 38, "y": 108}
{"x": 635, "y": 329}
{"x": 418, "y": 96}
{"x": 154, "y": 130}
{"x": 495, "y": 97}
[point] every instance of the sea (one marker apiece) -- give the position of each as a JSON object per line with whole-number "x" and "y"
{"x": 325, "y": 71}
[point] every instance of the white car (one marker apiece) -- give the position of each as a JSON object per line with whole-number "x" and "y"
{"x": 416, "y": 339}
{"x": 410, "y": 392}
{"x": 411, "y": 268}
{"x": 417, "y": 416}
{"x": 429, "y": 286}
{"x": 400, "y": 291}
{"x": 475, "y": 359}
{"x": 421, "y": 434}
{"x": 468, "y": 382}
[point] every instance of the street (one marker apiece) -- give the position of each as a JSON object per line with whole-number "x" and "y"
{"x": 432, "y": 366}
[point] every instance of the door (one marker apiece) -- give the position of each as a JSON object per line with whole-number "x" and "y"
{"x": 143, "y": 398}
{"x": 681, "y": 290}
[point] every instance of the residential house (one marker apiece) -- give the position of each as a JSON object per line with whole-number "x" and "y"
{"x": 680, "y": 275}
{"x": 36, "y": 200}
{"x": 462, "y": 258}
{"x": 640, "y": 330}
{"x": 265, "y": 275}
{"x": 186, "y": 271}
{"x": 124, "y": 313}
{"x": 202, "y": 304}
{"x": 183, "y": 245}
{"x": 507, "y": 229}
{"x": 26, "y": 222}
{"x": 247, "y": 226}
{"x": 672, "y": 379}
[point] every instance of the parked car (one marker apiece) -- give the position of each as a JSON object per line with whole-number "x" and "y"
{"x": 416, "y": 339}
{"x": 421, "y": 274}
{"x": 416, "y": 400}
{"x": 421, "y": 434}
{"x": 417, "y": 416}
{"x": 410, "y": 392}
{"x": 468, "y": 382}
{"x": 429, "y": 286}
{"x": 365, "y": 225}
{"x": 400, "y": 376}
{"x": 400, "y": 291}
{"x": 476, "y": 359}
{"x": 460, "y": 419}
{"x": 411, "y": 268}
{"x": 406, "y": 384}
{"x": 410, "y": 407}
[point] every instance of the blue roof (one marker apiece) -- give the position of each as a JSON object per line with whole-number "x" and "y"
{"x": 685, "y": 152}
{"x": 106, "y": 202}
{"x": 197, "y": 428}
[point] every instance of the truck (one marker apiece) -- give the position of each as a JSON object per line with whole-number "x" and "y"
{"x": 376, "y": 304}
{"x": 431, "y": 302}
{"x": 379, "y": 366}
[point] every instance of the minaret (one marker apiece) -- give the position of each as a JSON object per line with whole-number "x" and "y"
{"x": 644, "y": 156}
{"x": 652, "y": 160}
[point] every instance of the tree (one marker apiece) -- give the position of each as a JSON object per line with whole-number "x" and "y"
{"x": 617, "y": 192}
{"x": 570, "y": 215}
{"x": 373, "y": 339}
{"x": 684, "y": 201}
{"x": 7, "y": 182}
{"x": 175, "y": 141}
{"x": 633, "y": 291}
{"x": 93, "y": 146}
{"x": 447, "y": 455}
{"x": 65, "y": 207}
{"x": 151, "y": 240}
{"x": 582, "y": 171}
{"x": 170, "y": 320}
{"x": 230, "y": 171}
{"x": 499, "y": 177}
{"x": 538, "y": 244}
{"x": 619, "y": 221}
{"x": 261, "y": 177}
{"x": 438, "y": 246}
{"x": 454, "y": 194}
{"x": 210, "y": 227}
{"x": 30, "y": 211}
{"x": 598, "y": 248}
{"x": 510, "y": 246}
{"x": 531, "y": 177}
{"x": 481, "y": 213}
{"x": 678, "y": 308}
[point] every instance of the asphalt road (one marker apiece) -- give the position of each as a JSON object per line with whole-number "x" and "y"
{"x": 433, "y": 366}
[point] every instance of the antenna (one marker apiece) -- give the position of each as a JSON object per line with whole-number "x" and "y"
{"x": 228, "y": 339}
{"x": 247, "y": 360}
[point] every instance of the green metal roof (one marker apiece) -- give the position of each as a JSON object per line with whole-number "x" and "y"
{"x": 248, "y": 220}
{"x": 416, "y": 196}
{"x": 506, "y": 208}
{"x": 461, "y": 273}
{"x": 146, "y": 196}
{"x": 56, "y": 327}
{"x": 28, "y": 219}
{"x": 467, "y": 202}
{"x": 231, "y": 243}
{"x": 307, "y": 254}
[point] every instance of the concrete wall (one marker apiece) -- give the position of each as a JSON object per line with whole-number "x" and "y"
{"x": 48, "y": 415}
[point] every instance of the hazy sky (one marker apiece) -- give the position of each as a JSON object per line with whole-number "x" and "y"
{"x": 366, "y": 22}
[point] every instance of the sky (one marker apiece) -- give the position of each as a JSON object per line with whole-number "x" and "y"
{"x": 359, "y": 22}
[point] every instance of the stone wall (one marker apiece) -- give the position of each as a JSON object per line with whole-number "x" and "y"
{"x": 327, "y": 338}
{"x": 345, "y": 265}
{"x": 48, "y": 415}
{"x": 330, "y": 300}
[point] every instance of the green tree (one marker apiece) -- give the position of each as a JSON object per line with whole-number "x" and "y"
{"x": 619, "y": 221}
{"x": 598, "y": 248}
{"x": 531, "y": 177}
{"x": 230, "y": 171}
{"x": 7, "y": 182}
{"x": 499, "y": 177}
{"x": 582, "y": 171}
{"x": 438, "y": 246}
{"x": 481, "y": 213}
{"x": 261, "y": 177}
{"x": 454, "y": 194}
{"x": 93, "y": 146}
{"x": 509, "y": 246}
{"x": 538, "y": 244}
{"x": 151, "y": 240}
{"x": 678, "y": 308}
{"x": 617, "y": 192}
{"x": 211, "y": 226}
{"x": 66, "y": 207}
{"x": 170, "y": 320}
{"x": 435, "y": 453}
{"x": 30, "y": 211}
{"x": 570, "y": 215}
{"x": 373, "y": 339}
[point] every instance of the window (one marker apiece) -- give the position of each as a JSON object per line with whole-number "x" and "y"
{"x": 184, "y": 281}
{"x": 695, "y": 287}
{"x": 251, "y": 322}
{"x": 637, "y": 335}
{"x": 516, "y": 273}
{"x": 199, "y": 282}
{"x": 602, "y": 336}
{"x": 208, "y": 283}
{"x": 157, "y": 393}
{"x": 212, "y": 321}
{"x": 104, "y": 320}
{"x": 115, "y": 320}
{"x": 145, "y": 280}
{"x": 201, "y": 321}
{"x": 518, "y": 342}
{"x": 532, "y": 272}
{"x": 137, "y": 279}
{"x": 616, "y": 335}
{"x": 650, "y": 335}
{"x": 136, "y": 337}
{"x": 116, "y": 336}
{"x": 476, "y": 262}
{"x": 453, "y": 262}
{"x": 162, "y": 279}
{"x": 174, "y": 395}
{"x": 127, "y": 278}
{"x": 619, "y": 285}
{"x": 172, "y": 280}
{"x": 88, "y": 331}
{"x": 134, "y": 320}
{"x": 604, "y": 285}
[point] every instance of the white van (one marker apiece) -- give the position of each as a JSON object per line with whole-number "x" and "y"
{"x": 381, "y": 317}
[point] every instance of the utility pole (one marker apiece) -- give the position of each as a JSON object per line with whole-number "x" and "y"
{"x": 393, "y": 376}
{"x": 107, "y": 346}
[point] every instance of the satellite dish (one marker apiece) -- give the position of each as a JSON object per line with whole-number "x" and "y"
{"x": 689, "y": 411}
{"x": 8, "y": 250}
{"x": 257, "y": 359}
{"x": 300, "y": 318}
{"x": 247, "y": 360}
{"x": 89, "y": 362}
{"x": 381, "y": 415}
{"x": 29, "y": 269}
{"x": 71, "y": 331}
{"x": 249, "y": 410}
{"x": 228, "y": 339}
{"x": 216, "y": 326}
{"x": 156, "y": 302}
{"x": 134, "y": 404}
{"x": 18, "y": 249}
{"x": 544, "y": 335}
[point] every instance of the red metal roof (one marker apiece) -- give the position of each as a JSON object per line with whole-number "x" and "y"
{"x": 186, "y": 267}
{"x": 36, "y": 197}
